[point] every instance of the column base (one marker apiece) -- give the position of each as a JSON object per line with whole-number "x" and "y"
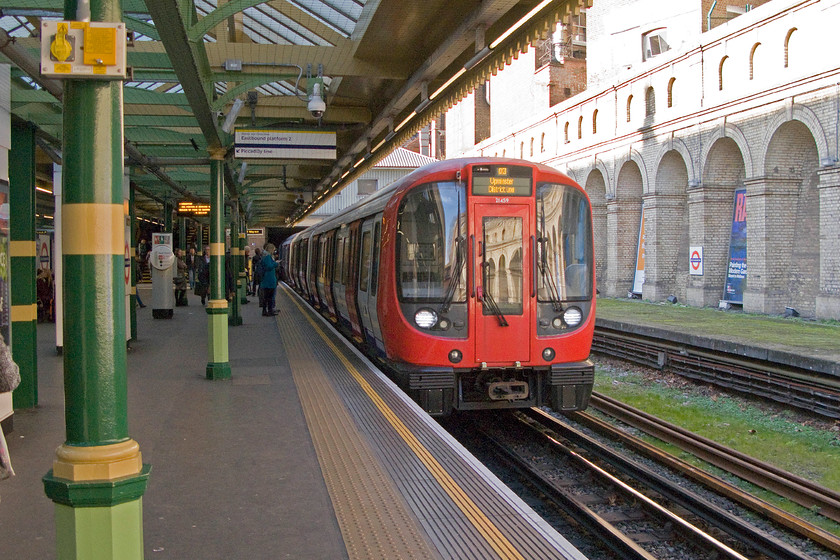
{"x": 828, "y": 307}
{"x": 107, "y": 533}
{"x": 218, "y": 370}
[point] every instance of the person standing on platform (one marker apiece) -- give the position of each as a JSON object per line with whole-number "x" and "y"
{"x": 9, "y": 380}
{"x": 268, "y": 284}
{"x": 180, "y": 279}
{"x": 247, "y": 261}
{"x": 202, "y": 275}
{"x": 191, "y": 260}
{"x": 256, "y": 264}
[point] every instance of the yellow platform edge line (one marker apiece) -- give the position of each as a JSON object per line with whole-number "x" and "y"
{"x": 468, "y": 507}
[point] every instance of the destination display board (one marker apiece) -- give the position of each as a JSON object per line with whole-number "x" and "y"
{"x": 189, "y": 208}
{"x": 502, "y": 180}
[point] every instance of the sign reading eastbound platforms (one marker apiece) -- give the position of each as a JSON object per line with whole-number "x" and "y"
{"x": 284, "y": 144}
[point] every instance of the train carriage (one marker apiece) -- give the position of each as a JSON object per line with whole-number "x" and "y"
{"x": 471, "y": 280}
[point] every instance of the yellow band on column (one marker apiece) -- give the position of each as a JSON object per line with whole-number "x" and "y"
{"x": 23, "y": 249}
{"x": 93, "y": 229}
{"x": 217, "y": 304}
{"x": 217, "y": 249}
{"x": 23, "y": 313}
{"x": 97, "y": 462}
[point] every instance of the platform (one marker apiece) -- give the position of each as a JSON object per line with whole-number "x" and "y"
{"x": 307, "y": 452}
{"x": 801, "y": 343}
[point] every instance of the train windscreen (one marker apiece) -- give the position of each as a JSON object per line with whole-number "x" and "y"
{"x": 430, "y": 252}
{"x": 565, "y": 259}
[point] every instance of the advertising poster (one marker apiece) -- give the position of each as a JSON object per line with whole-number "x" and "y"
{"x": 639, "y": 275}
{"x": 736, "y": 272}
{"x": 5, "y": 264}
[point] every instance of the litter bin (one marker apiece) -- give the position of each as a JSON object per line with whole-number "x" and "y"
{"x": 163, "y": 298}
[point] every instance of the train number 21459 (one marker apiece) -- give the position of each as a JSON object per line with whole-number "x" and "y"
{"x": 502, "y": 200}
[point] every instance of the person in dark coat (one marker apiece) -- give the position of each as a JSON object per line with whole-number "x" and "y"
{"x": 202, "y": 275}
{"x": 268, "y": 284}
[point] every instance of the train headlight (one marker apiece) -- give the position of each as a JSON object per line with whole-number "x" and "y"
{"x": 455, "y": 356}
{"x": 572, "y": 316}
{"x": 425, "y": 318}
{"x": 548, "y": 354}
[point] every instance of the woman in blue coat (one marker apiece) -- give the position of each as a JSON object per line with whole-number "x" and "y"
{"x": 268, "y": 284}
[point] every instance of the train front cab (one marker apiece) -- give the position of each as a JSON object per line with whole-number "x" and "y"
{"x": 495, "y": 290}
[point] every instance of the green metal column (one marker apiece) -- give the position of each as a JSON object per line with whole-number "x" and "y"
{"x": 235, "y": 318}
{"x": 132, "y": 247}
{"x": 182, "y": 235}
{"x": 23, "y": 250}
{"x": 218, "y": 365}
{"x": 98, "y": 478}
{"x": 242, "y": 283}
{"x": 167, "y": 218}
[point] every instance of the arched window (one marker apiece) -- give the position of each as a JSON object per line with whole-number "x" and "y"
{"x": 532, "y": 147}
{"x": 566, "y": 132}
{"x": 595, "y": 121}
{"x": 671, "y": 92}
{"x": 752, "y": 60}
{"x": 522, "y": 150}
{"x": 504, "y": 152}
{"x": 720, "y": 72}
{"x": 542, "y": 143}
{"x": 629, "y": 104}
{"x": 580, "y": 127}
{"x": 650, "y": 102}
{"x": 787, "y": 47}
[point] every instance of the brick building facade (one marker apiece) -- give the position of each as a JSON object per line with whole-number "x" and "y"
{"x": 674, "y": 120}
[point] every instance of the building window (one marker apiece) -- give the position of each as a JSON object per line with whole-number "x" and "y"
{"x": 367, "y": 186}
{"x": 720, "y": 72}
{"x": 566, "y": 132}
{"x": 787, "y": 47}
{"x": 595, "y": 122}
{"x": 650, "y": 102}
{"x": 542, "y": 143}
{"x": 522, "y": 150}
{"x": 629, "y": 104}
{"x": 654, "y": 43}
{"x": 532, "y": 147}
{"x": 752, "y": 60}
{"x": 580, "y": 127}
{"x": 671, "y": 92}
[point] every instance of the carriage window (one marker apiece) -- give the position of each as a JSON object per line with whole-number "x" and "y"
{"x": 365, "y": 260}
{"x": 431, "y": 243}
{"x": 374, "y": 266}
{"x": 565, "y": 259}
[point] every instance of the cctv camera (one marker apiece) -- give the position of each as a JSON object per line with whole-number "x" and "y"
{"x": 316, "y": 106}
{"x": 299, "y": 200}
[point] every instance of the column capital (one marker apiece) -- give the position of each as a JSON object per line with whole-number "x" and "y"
{"x": 217, "y": 154}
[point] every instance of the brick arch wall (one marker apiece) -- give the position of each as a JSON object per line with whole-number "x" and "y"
{"x": 666, "y": 231}
{"x": 623, "y": 216}
{"x": 596, "y": 188}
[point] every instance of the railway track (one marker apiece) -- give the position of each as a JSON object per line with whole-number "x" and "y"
{"x": 798, "y": 387}
{"x": 626, "y": 509}
{"x": 802, "y": 491}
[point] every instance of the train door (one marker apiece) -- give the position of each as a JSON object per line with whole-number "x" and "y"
{"x": 352, "y": 284}
{"x": 314, "y": 258}
{"x": 373, "y": 290}
{"x": 363, "y": 294}
{"x": 341, "y": 272}
{"x": 501, "y": 284}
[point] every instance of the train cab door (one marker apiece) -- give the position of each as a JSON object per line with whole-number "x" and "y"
{"x": 501, "y": 283}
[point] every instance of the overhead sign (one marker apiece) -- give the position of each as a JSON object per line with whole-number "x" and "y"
{"x": 83, "y": 49}
{"x": 188, "y": 208}
{"x": 502, "y": 180}
{"x": 284, "y": 144}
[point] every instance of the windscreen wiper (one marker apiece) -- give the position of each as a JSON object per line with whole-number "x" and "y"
{"x": 488, "y": 301}
{"x": 548, "y": 278}
{"x": 455, "y": 281}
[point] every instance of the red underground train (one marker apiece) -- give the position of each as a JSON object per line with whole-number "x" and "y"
{"x": 470, "y": 280}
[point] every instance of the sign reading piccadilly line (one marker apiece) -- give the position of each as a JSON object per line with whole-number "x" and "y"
{"x": 284, "y": 144}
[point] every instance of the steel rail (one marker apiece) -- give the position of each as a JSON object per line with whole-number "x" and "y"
{"x": 799, "y": 526}
{"x": 814, "y": 392}
{"x": 698, "y": 506}
{"x": 804, "y": 492}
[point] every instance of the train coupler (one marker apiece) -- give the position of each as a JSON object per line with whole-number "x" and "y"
{"x": 508, "y": 390}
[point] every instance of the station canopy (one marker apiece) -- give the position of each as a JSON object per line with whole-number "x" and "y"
{"x": 383, "y": 68}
